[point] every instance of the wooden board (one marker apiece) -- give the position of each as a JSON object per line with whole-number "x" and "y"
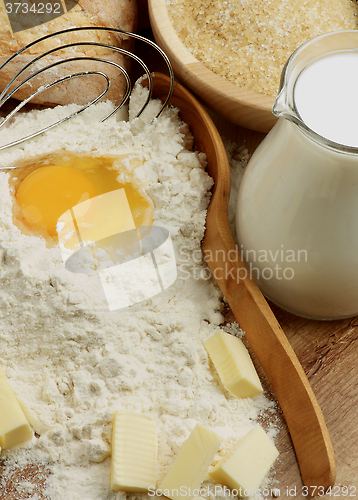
{"x": 328, "y": 353}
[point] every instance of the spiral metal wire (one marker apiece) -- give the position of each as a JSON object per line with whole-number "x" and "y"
{"x": 10, "y": 90}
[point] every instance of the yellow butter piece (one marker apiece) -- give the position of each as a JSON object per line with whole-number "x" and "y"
{"x": 246, "y": 466}
{"x": 234, "y": 365}
{"x": 134, "y": 452}
{"x": 191, "y": 465}
{"x": 14, "y": 427}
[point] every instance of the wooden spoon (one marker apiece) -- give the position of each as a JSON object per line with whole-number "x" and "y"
{"x": 304, "y": 418}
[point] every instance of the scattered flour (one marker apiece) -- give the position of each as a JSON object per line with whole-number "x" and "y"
{"x": 238, "y": 157}
{"x": 72, "y": 366}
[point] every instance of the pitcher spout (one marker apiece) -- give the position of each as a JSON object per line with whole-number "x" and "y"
{"x": 283, "y": 107}
{"x": 280, "y": 106}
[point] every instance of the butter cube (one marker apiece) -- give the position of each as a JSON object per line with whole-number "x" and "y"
{"x": 134, "y": 452}
{"x": 191, "y": 465}
{"x": 234, "y": 365}
{"x": 246, "y": 466}
{"x": 14, "y": 427}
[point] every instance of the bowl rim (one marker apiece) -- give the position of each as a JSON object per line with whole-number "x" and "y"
{"x": 204, "y": 82}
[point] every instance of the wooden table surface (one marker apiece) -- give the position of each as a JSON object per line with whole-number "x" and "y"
{"x": 328, "y": 352}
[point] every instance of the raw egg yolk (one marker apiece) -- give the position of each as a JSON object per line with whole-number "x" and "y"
{"x": 48, "y": 192}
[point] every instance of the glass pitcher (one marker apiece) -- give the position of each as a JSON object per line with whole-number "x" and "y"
{"x": 297, "y": 212}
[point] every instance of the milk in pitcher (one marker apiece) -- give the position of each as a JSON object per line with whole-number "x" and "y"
{"x": 297, "y": 213}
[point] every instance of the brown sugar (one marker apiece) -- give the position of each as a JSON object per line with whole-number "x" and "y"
{"x": 249, "y": 41}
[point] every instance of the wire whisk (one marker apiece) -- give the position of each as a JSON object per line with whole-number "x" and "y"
{"x": 14, "y": 84}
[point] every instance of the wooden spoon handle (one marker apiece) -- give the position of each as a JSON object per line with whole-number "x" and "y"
{"x": 304, "y": 418}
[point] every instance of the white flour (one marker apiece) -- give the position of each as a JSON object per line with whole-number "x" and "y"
{"x": 71, "y": 366}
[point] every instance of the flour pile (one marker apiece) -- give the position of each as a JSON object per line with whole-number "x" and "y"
{"x": 71, "y": 366}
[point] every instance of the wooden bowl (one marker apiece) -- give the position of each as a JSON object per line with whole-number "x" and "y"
{"x": 243, "y": 107}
